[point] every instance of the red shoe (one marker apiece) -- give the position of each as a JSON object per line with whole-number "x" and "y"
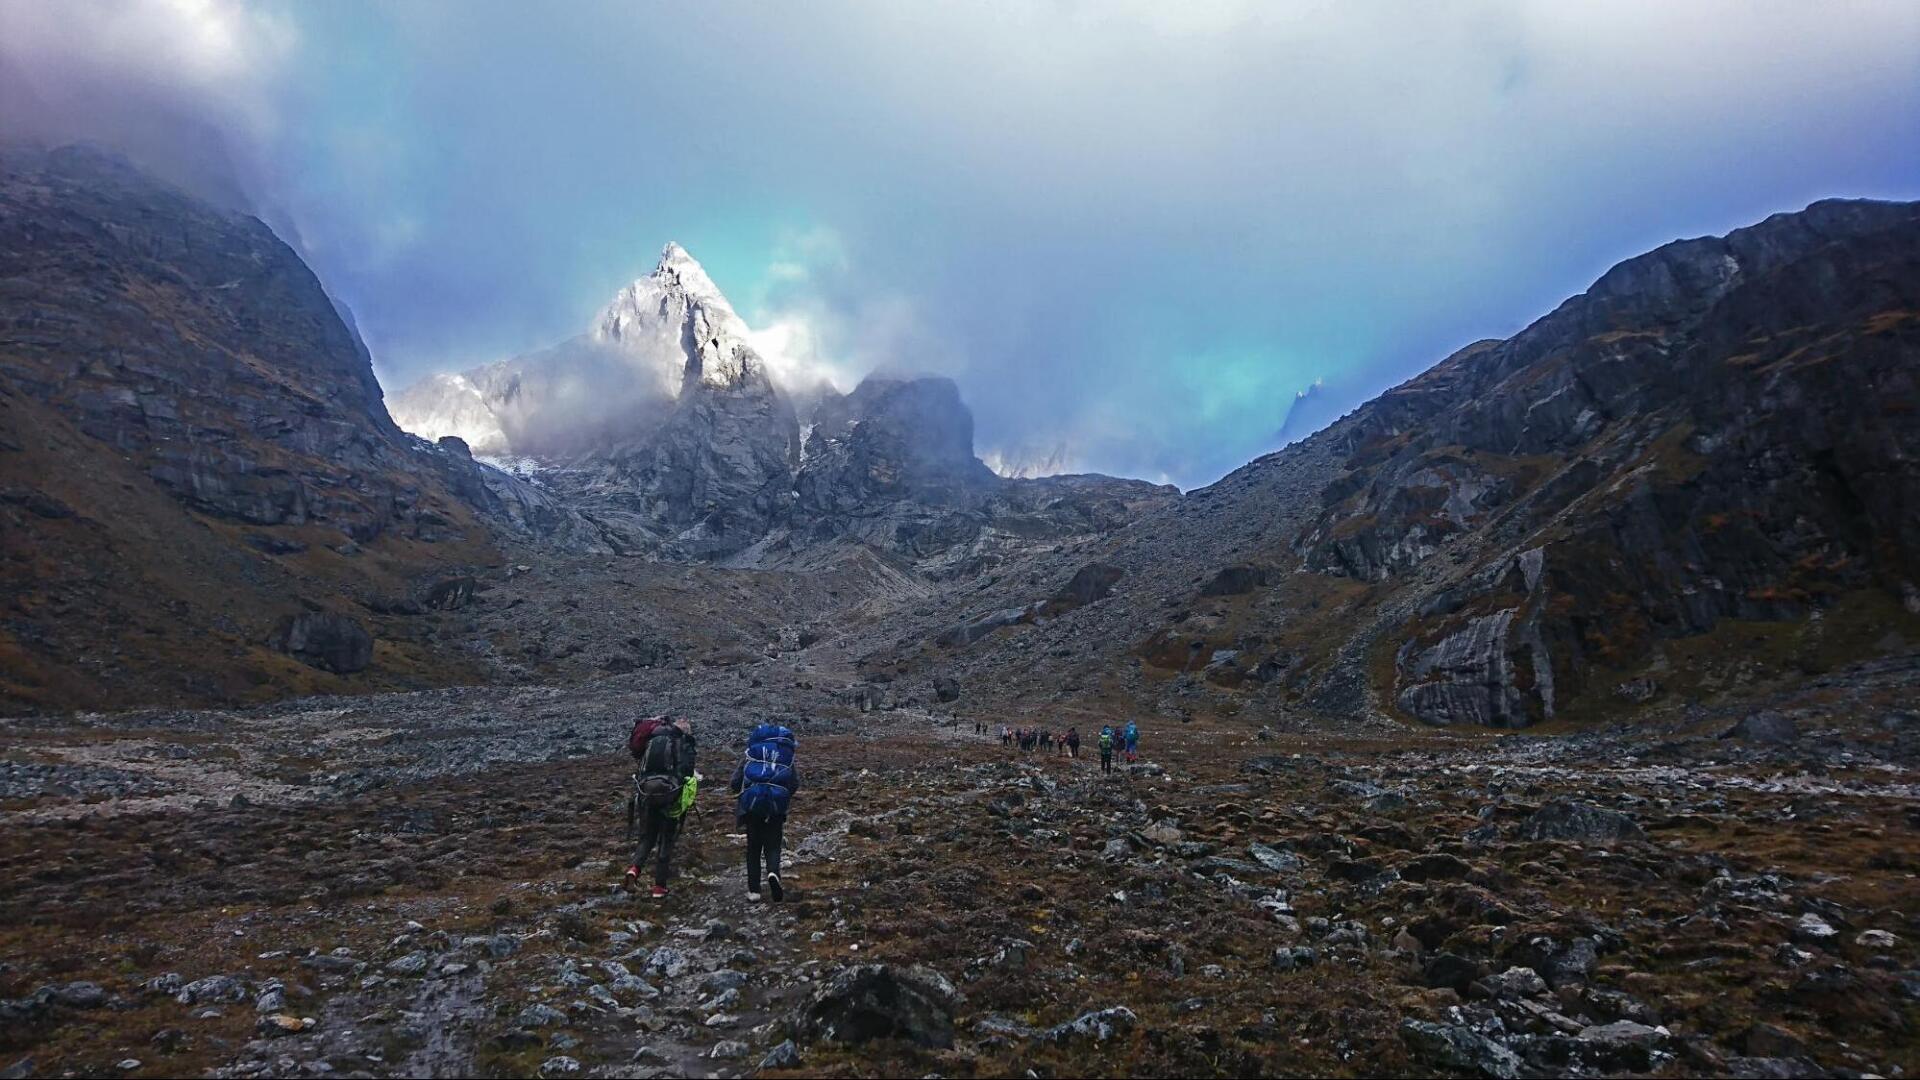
{"x": 633, "y": 878}
{"x": 659, "y": 892}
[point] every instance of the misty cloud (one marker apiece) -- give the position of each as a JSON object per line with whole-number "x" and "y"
{"x": 1134, "y": 233}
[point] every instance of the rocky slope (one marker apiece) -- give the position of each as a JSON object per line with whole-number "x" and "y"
{"x": 1698, "y": 473}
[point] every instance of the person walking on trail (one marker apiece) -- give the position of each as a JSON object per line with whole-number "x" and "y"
{"x": 1106, "y": 748}
{"x": 1133, "y": 742}
{"x": 765, "y": 780}
{"x": 1073, "y": 742}
{"x": 665, "y": 750}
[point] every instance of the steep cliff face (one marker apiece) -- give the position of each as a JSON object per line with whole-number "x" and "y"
{"x": 200, "y": 347}
{"x": 710, "y": 481}
{"x": 193, "y": 448}
{"x": 1723, "y": 429}
{"x": 1698, "y": 473}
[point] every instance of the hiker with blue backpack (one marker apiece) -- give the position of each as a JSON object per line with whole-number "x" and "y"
{"x": 1133, "y": 742}
{"x": 765, "y": 780}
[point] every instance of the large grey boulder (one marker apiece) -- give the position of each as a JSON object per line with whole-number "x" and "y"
{"x": 1090, "y": 584}
{"x": 1765, "y": 726}
{"x": 1455, "y": 1046}
{"x": 879, "y": 1001}
{"x": 325, "y": 640}
{"x": 1566, "y": 819}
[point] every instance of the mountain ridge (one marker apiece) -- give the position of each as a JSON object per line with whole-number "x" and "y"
{"x": 1548, "y": 526}
{"x": 1340, "y": 537}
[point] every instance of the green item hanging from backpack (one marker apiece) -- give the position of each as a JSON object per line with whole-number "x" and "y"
{"x": 687, "y": 792}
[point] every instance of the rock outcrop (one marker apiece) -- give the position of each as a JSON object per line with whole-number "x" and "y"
{"x": 325, "y": 640}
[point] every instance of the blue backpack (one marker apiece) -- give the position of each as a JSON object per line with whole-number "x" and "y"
{"x": 766, "y": 785}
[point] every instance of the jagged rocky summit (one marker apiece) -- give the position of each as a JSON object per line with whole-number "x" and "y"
{"x": 665, "y": 428}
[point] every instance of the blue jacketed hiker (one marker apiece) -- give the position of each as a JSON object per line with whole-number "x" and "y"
{"x": 765, "y": 781}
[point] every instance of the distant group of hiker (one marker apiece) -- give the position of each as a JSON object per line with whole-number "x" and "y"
{"x": 1067, "y": 742}
{"x": 1028, "y": 739}
{"x": 666, "y": 783}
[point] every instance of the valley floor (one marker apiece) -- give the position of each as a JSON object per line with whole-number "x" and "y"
{"x": 431, "y": 881}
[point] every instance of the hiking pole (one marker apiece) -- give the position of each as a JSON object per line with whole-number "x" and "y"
{"x": 633, "y": 798}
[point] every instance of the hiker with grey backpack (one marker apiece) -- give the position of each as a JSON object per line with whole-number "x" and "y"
{"x": 765, "y": 780}
{"x": 664, "y": 786}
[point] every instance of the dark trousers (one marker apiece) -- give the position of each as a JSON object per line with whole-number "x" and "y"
{"x": 657, "y": 835}
{"x": 1106, "y": 761}
{"x": 763, "y": 844}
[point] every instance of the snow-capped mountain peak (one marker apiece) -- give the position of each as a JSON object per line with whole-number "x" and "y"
{"x": 681, "y": 267}
{"x": 660, "y": 337}
{"x": 678, "y": 324}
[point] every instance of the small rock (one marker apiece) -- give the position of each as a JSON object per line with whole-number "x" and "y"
{"x": 1813, "y": 930}
{"x": 80, "y": 995}
{"x": 538, "y": 1016}
{"x": 784, "y": 1056}
{"x": 1626, "y": 1043}
{"x": 1517, "y": 982}
{"x": 213, "y": 988}
{"x": 668, "y": 962}
{"x": 559, "y": 1065}
{"x": 1274, "y": 859}
{"x": 1097, "y": 1026}
{"x": 414, "y": 963}
{"x": 1876, "y": 939}
{"x": 281, "y": 1024}
{"x": 1294, "y": 957}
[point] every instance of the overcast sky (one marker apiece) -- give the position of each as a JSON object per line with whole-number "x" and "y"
{"x": 1137, "y": 231}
